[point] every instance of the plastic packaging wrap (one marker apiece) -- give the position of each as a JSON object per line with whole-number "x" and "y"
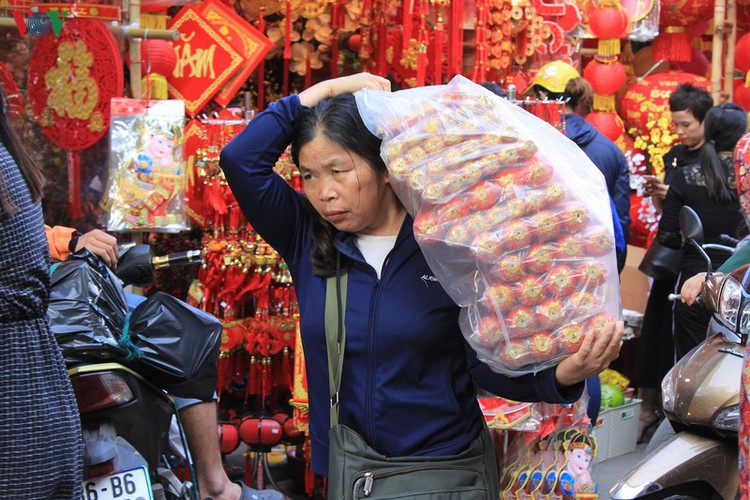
{"x": 147, "y": 173}
{"x": 87, "y": 307}
{"x": 512, "y": 217}
{"x": 644, "y": 16}
{"x": 179, "y": 346}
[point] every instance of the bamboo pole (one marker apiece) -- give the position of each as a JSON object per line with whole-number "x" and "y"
{"x": 731, "y": 42}
{"x": 717, "y": 49}
{"x": 134, "y": 19}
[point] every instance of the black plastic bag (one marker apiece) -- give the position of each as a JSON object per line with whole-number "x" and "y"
{"x": 179, "y": 346}
{"x": 87, "y": 308}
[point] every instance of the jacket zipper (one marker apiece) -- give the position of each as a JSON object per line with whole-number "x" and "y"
{"x": 371, "y": 342}
{"x": 366, "y": 480}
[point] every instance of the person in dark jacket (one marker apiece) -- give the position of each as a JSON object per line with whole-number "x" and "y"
{"x": 558, "y": 80}
{"x": 710, "y": 189}
{"x": 408, "y": 383}
{"x": 688, "y": 106}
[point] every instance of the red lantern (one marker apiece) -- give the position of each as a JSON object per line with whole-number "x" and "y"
{"x": 742, "y": 53}
{"x": 604, "y": 78}
{"x": 608, "y": 124}
{"x": 608, "y": 23}
{"x": 158, "y": 60}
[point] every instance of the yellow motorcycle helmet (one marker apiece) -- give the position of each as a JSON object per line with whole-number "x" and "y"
{"x": 554, "y": 76}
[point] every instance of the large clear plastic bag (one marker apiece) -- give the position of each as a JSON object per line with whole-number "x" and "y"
{"x": 512, "y": 217}
{"x": 147, "y": 177}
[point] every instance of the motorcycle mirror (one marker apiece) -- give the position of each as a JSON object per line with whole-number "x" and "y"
{"x": 690, "y": 225}
{"x": 134, "y": 267}
{"x": 691, "y": 230}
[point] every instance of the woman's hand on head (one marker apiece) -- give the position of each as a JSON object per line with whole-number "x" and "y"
{"x": 594, "y": 355}
{"x": 692, "y": 288}
{"x": 343, "y": 85}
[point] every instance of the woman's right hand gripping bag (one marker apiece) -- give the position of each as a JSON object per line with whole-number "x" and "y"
{"x": 512, "y": 217}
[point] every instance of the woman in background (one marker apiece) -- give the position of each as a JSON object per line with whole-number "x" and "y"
{"x": 710, "y": 189}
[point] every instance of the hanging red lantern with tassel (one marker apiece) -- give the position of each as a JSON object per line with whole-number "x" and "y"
{"x": 605, "y": 77}
{"x": 676, "y": 16}
{"x": 609, "y": 22}
{"x": 158, "y": 60}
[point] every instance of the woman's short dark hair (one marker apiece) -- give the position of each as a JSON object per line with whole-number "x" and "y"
{"x": 723, "y": 127}
{"x": 687, "y": 96}
{"x": 338, "y": 120}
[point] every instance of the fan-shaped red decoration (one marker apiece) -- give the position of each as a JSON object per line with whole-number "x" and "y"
{"x": 608, "y": 124}
{"x": 605, "y": 79}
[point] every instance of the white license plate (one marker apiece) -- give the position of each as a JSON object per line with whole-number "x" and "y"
{"x": 132, "y": 484}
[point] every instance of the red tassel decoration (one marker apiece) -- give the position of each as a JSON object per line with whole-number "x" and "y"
{"x": 308, "y": 72}
{"x": 438, "y": 52}
{"x": 673, "y": 44}
{"x": 456, "y": 39}
{"x": 407, "y": 7}
{"x": 74, "y": 185}
{"x": 287, "y": 45}
{"x": 261, "y": 64}
{"x": 381, "y": 68}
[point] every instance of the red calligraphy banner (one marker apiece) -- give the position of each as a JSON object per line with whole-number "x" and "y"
{"x": 83, "y": 10}
{"x": 206, "y": 61}
{"x": 243, "y": 38}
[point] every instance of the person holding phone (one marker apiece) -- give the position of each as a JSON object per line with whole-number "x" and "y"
{"x": 689, "y": 105}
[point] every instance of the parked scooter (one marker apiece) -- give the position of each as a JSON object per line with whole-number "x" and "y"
{"x": 701, "y": 398}
{"x": 125, "y": 418}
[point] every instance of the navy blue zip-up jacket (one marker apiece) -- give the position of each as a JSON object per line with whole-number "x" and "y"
{"x": 408, "y": 380}
{"x": 609, "y": 160}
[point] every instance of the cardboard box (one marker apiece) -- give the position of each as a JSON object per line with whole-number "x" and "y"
{"x": 617, "y": 430}
{"x": 634, "y": 285}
